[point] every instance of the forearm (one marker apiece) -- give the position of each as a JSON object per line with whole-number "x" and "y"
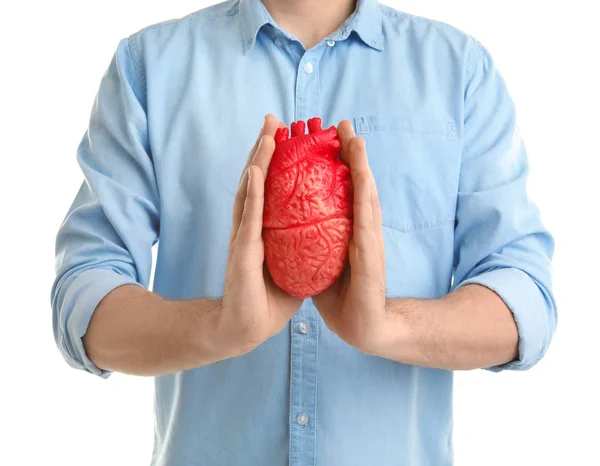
{"x": 137, "y": 332}
{"x": 468, "y": 329}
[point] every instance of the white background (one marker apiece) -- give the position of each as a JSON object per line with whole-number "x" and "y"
{"x": 54, "y": 54}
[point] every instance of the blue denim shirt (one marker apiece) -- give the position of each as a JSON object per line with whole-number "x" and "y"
{"x": 176, "y": 114}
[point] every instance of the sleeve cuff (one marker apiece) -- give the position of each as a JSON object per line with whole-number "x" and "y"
{"x": 83, "y": 296}
{"x": 529, "y": 308}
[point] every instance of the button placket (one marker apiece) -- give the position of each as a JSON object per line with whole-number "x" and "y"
{"x": 303, "y": 386}
{"x": 307, "y": 84}
{"x": 304, "y": 326}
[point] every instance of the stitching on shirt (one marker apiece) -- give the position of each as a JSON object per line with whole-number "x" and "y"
{"x": 420, "y": 226}
{"x": 316, "y": 399}
{"x": 449, "y": 131}
{"x": 291, "y": 394}
{"x": 137, "y": 67}
{"x": 139, "y": 70}
{"x": 234, "y": 9}
{"x": 166, "y": 23}
{"x": 213, "y": 11}
{"x": 392, "y": 131}
{"x": 471, "y": 62}
{"x": 439, "y": 25}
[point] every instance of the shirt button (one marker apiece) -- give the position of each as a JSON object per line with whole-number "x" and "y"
{"x": 303, "y": 328}
{"x": 331, "y": 43}
{"x": 278, "y": 42}
{"x": 302, "y": 419}
{"x": 308, "y": 68}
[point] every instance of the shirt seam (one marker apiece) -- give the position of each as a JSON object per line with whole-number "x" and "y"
{"x": 471, "y": 62}
{"x": 315, "y": 399}
{"x": 468, "y": 75}
{"x": 422, "y": 133}
{"x": 134, "y": 53}
{"x": 420, "y": 226}
{"x": 141, "y": 76}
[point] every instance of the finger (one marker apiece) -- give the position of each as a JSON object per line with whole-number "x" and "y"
{"x": 357, "y": 157}
{"x": 270, "y": 125}
{"x": 377, "y": 215}
{"x": 359, "y": 163}
{"x": 375, "y": 205}
{"x": 238, "y": 208}
{"x": 242, "y": 193}
{"x": 264, "y": 154}
{"x": 345, "y": 133}
{"x": 251, "y": 154}
{"x": 364, "y": 195}
{"x": 250, "y": 230}
{"x": 364, "y": 234}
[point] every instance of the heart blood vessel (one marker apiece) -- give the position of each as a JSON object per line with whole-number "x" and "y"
{"x": 308, "y": 209}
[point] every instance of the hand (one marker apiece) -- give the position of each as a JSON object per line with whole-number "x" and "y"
{"x": 354, "y": 307}
{"x": 253, "y": 307}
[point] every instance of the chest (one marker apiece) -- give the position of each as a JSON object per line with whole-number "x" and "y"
{"x": 409, "y": 123}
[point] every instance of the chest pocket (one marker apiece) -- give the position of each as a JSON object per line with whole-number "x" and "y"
{"x": 415, "y": 162}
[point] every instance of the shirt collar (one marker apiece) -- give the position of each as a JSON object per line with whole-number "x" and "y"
{"x": 366, "y": 21}
{"x": 253, "y": 16}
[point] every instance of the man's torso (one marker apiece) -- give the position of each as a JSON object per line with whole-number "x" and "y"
{"x": 207, "y": 82}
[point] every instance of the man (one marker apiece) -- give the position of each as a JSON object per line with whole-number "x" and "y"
{"x": 449, "y": 262}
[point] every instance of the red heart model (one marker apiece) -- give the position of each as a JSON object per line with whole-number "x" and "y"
{"x": 308, "y": 210}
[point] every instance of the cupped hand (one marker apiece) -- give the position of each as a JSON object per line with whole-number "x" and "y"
{"x": 354, "y": 307}
{"x": 253, "y": 307}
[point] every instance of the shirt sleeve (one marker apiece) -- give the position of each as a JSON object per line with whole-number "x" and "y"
{"x": 106, "y": 238}
{"x": 500, "y": 241}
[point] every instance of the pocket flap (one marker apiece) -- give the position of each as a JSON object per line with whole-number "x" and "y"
{"x": 425, "y": 126}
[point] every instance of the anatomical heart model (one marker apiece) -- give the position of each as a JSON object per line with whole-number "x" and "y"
{"x": 308, "y": 210}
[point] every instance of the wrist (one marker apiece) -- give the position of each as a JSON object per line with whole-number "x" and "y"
{"x": 198, "y": 321}
{"x": 395, "y": 334}
{"x": 400, "y": 338}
